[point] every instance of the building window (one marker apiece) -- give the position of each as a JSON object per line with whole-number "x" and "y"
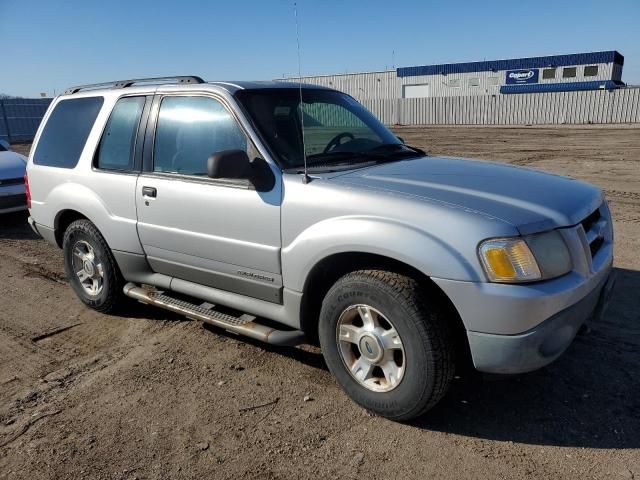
{"x": 569, "y": 72}
{"x": 548, "y": 73}
{"x": 493, "y": 81}
{"x": 454, "y": 82}
{"x": 591, "y": 71}
{"x": 474, "y": 82}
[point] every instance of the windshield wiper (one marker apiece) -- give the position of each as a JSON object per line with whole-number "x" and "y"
{"x": 396, "y": 146}
{"x": 324, "y": 161}
{"x": 330, "y": 157}
{"x": 333, "y": 167}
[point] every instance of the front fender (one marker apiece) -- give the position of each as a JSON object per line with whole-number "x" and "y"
{"x": 381, "y": 236}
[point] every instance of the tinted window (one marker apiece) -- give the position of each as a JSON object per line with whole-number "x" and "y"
{"x": 119, "y": 137}
{"x": 591, "y": 71}
{"x": 549, "y": 73}
{"x": 323, "y": 121}
{"x": 189, "y": 130}
{"x": 569, "y": 72}
{"x": 336, "y": 127}
{"x": 66, "y": 132}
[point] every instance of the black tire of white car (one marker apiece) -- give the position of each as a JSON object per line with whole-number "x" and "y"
{"x": 83, "y": 232}
{"x": 427, "y": 347}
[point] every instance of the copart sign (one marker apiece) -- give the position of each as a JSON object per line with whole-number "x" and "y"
{"x": 522, "y": 76}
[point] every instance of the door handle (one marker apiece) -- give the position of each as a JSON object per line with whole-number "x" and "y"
{"x": 149, "y": 192}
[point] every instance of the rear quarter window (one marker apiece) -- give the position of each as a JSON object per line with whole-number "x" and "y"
{"x": 119, "y": 138}
{"x": 66, "y": 132}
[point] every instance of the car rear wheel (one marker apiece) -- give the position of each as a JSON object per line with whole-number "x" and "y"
{"x": 91, "y": 268}
{"x": 386, "y": 343}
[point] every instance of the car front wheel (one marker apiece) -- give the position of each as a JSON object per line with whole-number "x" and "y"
{"x": 386, "y": 343}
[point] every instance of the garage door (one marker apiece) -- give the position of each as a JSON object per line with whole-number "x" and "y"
{"x": 415, "y": 91}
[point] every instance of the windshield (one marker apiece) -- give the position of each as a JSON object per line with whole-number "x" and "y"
{"x": 337, "y": 129}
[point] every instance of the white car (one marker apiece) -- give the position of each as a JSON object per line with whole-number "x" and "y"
{"x": 13, "y": 197}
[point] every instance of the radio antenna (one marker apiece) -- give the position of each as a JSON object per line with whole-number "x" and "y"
{"x": 305, "y": 177}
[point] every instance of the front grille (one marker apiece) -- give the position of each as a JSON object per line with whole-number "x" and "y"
{"x": 11, "y": 181}
{"x": 11, "y": 201}
{"x": 594, "y": 246}
{"x": 595, "y": 226}
{"x": 588, "y": 222}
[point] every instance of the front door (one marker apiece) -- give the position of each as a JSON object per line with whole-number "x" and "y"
{"x": 219, "y": 233}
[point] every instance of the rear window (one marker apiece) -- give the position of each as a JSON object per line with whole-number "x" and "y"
{"x": 66, "y": 132}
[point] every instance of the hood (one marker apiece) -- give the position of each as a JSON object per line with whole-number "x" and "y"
{"x": 12, "y": 165}
{"x": 530, "y": 200}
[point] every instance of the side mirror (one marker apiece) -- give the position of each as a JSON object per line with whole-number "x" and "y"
{"x": 229, "y": 164}
{"x": 401, "y": 139}
{"x": 235, "y": 164}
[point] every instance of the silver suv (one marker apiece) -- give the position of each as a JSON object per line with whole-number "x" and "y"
{"x": 291, "y": 214}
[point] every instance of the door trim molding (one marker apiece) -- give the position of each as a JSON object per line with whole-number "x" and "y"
{"x": 267, "y": 290}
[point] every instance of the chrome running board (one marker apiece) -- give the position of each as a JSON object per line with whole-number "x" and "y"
{"x": 243, "y": 325}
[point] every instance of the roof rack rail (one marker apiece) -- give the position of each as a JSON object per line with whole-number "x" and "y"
{"x": 128, "y": 83}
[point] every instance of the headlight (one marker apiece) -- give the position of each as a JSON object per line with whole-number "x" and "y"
{"x": 525, "y": 259}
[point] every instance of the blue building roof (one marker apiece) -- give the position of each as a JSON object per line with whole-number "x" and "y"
{"x": 591, "y": 58}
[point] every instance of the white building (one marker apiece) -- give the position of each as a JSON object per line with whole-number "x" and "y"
{"x": 557, "y": 73}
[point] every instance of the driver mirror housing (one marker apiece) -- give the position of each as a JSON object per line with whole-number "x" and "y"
{"x": 228, "y": 164}
{"x": 235, "y": 164}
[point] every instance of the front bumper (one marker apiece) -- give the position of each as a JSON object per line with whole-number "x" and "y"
{"x": 542, "y": 344}
{"x": 12, "y": 198}
{"x": 514, "y": 328}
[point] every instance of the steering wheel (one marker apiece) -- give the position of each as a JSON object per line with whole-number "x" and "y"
{"x": 336, "y": 141}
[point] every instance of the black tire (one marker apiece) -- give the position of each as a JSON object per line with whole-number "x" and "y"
{"x": 111, "y": 293}
{"x": 423, "y": 329}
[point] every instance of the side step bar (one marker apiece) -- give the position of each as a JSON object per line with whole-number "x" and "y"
{"x": 242, "y": 325}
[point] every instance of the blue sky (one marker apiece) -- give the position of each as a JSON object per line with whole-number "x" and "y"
{"x": 51, "y": 44}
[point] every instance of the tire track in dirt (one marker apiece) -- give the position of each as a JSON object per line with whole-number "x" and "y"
{"x": 39, "y": 374}
{"x": 166, "y": 399}
{"x": 620, "y": 196}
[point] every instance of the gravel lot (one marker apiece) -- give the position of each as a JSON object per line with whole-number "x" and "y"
{"x": 84, "y": 395}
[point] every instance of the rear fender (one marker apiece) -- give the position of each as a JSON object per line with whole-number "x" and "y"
{"x": 119, "y": 232}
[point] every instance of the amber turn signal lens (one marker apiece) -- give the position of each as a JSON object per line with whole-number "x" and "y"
{"x": 509, "y": 260}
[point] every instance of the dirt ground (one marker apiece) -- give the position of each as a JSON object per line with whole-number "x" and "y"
{"x": 154, "y": 396}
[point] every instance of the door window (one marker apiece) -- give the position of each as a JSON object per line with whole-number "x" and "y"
{"x": 189, "y": 130}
